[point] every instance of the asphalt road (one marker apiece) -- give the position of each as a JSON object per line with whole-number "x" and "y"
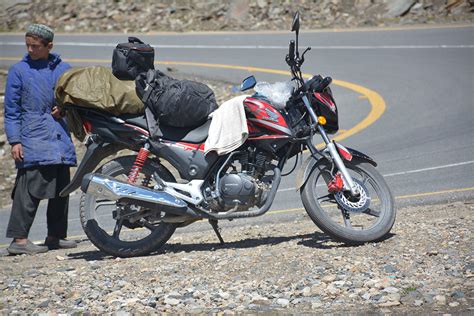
{"x": 423, "y": 141}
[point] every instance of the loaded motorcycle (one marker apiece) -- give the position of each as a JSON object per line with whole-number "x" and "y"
{"x": 133, "y": 204}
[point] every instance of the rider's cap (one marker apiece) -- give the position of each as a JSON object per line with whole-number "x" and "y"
{"x": 40, "y": 30}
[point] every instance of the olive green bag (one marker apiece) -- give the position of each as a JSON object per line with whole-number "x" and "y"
{"x": 96, "y": 88}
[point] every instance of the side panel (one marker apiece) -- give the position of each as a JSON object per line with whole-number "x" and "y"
{"x": 188, "y": 159}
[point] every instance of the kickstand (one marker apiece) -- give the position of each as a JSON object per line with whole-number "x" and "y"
{"x": 216, "y": 228}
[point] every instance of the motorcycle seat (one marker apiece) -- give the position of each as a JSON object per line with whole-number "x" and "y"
{"x": 193, "y": 135}
{"x": 135, "y": 119}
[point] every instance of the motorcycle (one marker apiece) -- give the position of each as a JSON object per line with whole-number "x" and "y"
{"x": 132, "y": 204}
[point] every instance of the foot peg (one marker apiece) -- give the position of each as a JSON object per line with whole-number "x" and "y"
{"x": 216, "y": 228}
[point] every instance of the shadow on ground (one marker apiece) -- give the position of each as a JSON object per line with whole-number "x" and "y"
{"x": 314, "y": 240}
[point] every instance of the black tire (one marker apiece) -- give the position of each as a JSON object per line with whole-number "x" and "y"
{"x": 96, "y": 229}
{"x": 372, "y": 225}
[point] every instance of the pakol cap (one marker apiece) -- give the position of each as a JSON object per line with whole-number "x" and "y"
{"x": 41, "y": 30}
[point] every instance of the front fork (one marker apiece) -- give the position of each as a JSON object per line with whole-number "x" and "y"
{"x": 331, "y": 148}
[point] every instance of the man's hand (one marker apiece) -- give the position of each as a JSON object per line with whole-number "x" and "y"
{"x": 17, "y": 152}
{"x": 56, "y": 113}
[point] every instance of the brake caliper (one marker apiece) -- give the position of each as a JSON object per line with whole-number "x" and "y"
{"x": 336, "y": 184}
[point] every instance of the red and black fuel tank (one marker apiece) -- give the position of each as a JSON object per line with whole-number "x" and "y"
{"x": 262, "y": 117}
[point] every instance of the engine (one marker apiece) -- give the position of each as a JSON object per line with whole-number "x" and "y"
{"x": 241, "y": 182}
{"x": 238, "y": 188}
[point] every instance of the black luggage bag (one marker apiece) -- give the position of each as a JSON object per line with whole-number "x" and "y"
{"x": 132, "y": 58}
{"x": 177, "y": 103}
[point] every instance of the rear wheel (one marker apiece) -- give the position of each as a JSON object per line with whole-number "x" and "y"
{"x": 353, "y": 220}
{"x": 125, "y": 229}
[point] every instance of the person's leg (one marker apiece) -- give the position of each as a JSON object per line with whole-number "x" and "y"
{"x": 21, "y": 218}
{"x": 57, "y": 214}
{"x": 23, "y": 209}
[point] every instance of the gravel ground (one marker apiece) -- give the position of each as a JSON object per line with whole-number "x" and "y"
{"x": 425, "y": 267}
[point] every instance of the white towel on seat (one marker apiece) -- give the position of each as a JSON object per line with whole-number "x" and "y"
{"x": 228, "y": 129}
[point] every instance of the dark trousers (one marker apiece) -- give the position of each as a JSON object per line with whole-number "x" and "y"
{"x": 31, "y": 186}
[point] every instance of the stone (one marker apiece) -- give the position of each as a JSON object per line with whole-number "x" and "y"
{"x": 389, "y": 268}
{"x": 418, "y": 302}
{"x": 457, "y": 294}
{"x": 440, "y": 299}
{"x": 328, "y": 278}
{"x": 283, "y": 302}
{"x": 398, "y": 8}
{"x": 44, "y": 304}
{"x": 171, "y": 301}
{"x": 391, "y": 289}
{"x": 389, "y": 304}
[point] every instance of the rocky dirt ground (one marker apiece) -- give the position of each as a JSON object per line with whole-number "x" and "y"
{"x": 216, "y": 15}
{"x": 425, "y": 267}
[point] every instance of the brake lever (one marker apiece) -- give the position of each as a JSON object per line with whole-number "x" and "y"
{"x": 302, "y": 55}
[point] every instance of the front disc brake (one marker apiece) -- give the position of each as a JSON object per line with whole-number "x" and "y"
{"x": 356, "y": 204}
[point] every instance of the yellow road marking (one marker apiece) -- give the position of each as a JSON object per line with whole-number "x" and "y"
{"x": 434, "y": 193}
{"x": 299, "y": 209}
{"x": 377, "y": 103}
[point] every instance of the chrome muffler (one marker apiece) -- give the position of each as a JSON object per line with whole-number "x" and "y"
{"x": 112, "y": 189}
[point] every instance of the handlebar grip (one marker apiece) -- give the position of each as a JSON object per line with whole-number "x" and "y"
{"x": 291, "y": 52}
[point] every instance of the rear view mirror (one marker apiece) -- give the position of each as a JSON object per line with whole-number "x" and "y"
{"x": 295, "y": 26}
{"x": 248, "y": 83}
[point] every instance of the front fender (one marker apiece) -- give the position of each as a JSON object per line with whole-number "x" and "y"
{"x": 310, "y": 164}
{"x": 305, "y": 170}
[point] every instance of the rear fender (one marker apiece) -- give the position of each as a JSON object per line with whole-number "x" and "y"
{"x": 311, "y": 163}
{"x": 93, "y": 156}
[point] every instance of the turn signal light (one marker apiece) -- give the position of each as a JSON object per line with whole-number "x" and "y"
{"x": 322, "y": 120}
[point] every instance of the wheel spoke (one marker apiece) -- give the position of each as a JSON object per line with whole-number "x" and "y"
{"x": 364, "y": 179}
{"x": 347, "y": 221}
{"x": 149, "y": 226}
{"x": 328, "y": 196}
{"x": 117, "y": 228}
{"x": 372, "y": 212}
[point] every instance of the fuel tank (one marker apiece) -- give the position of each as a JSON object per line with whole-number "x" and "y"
{"x": 263, "y": 118}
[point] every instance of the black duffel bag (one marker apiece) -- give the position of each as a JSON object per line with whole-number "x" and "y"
{"x": 132, "y": 58}
{"x": 177, "y": 103}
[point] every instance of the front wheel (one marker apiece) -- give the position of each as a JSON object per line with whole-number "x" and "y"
{"x": 368, "y": 217}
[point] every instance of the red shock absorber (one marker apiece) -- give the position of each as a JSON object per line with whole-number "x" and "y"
{"x": 138, "y": 164}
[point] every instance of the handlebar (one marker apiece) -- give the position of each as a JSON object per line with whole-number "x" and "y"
{"x": 291, "y": 52}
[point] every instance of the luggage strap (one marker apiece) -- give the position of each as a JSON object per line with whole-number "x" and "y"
{"x": 149, "y": 116}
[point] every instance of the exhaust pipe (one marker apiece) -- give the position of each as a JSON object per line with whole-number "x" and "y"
{"x": 112, "y": 189}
